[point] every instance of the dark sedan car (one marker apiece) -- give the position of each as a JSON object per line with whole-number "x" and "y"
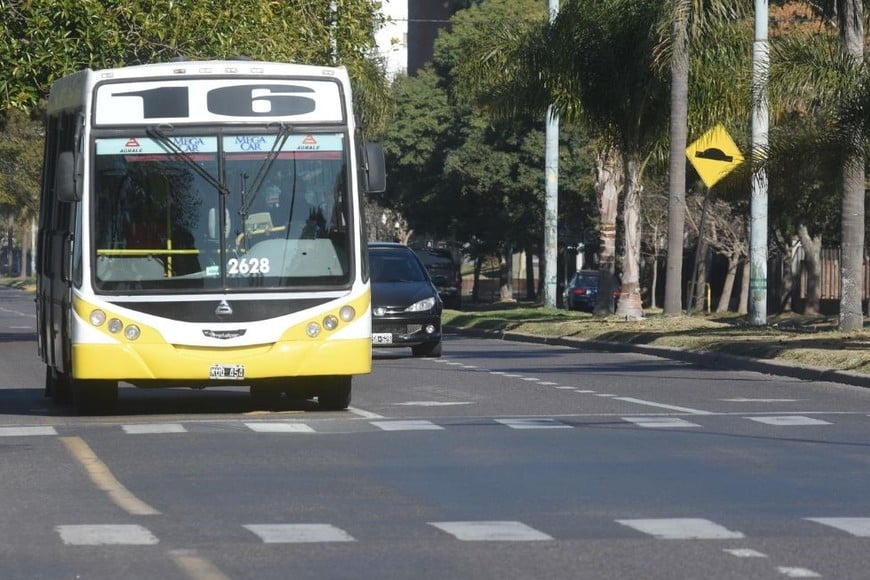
{"x": 582, "y": 292}
{"x": 445, "y": 273}
{"x": 406, "y": 308}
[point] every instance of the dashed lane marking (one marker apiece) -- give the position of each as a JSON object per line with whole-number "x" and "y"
{"x": 660, "y": 422}
{"x": 789, "y": 421}
{"x": 407, "y": 425}
{"x": 682, "y": 529}
{"x": 859, "y": 527}
{"x": 491, "y": 531}
{"x": 432, "y": 403}
{"x": 795, "y": 572}
{"x": 748, "y": 400}
{"x": 533, "y": 423}
{"x": 273, "y": 427}
{"x": 103, "y": 535}
{"x": 663, "y": 406}
{"x": 27, "y": 431}
{"x": 745, "y": 553}
{"x": 299, "y": 533}
{"x": 153, "y": 428}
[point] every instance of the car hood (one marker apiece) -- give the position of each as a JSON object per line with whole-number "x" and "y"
{"x": 400, "y": 294}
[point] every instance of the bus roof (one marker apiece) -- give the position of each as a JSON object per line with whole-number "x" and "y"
{"x": 74, "y": 90}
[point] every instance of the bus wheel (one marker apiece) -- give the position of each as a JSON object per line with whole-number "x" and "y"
{"x": 57, "y": 387}
{"x": 333, "y": 393}
{"x": 94, "y": 397}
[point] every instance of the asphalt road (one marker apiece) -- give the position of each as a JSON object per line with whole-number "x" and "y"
{"x": 499, "y": 460}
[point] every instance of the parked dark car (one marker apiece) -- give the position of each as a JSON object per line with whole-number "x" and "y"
{"x": 582, "y": 291}
{"x": 446, "y": 274}
{"x": 406, "y": 308}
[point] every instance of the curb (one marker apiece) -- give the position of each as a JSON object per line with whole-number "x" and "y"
{"x": 713, "y": 360}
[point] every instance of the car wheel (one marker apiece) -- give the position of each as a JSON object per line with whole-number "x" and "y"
{"x": 430, "y": 349}
{"x": 334, "y": 393}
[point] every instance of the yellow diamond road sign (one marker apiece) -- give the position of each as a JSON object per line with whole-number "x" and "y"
{"x": 714, "y": 155}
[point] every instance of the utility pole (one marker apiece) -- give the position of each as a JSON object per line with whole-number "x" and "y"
{"x": 551, "y": 209}
{"x": 760, "y": 125}
{"x": 333, "y": 25}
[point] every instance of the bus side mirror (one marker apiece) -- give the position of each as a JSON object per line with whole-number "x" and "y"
{"x": 376, "y": 172}
{"x": 68, "y": 178}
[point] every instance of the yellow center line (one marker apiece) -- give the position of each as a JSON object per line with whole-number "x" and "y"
{"x": 196, "y": 567}
{"x": 104, "y": 480}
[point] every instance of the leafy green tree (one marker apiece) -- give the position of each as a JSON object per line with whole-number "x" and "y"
{"x": 824, "y": 81}
{"x": 594, "y": 64}
{"x": 42, "y": 40}
{"x": 455, "y": 171}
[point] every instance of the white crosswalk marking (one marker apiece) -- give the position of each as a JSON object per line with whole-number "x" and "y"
{"x": 533, "y": 423}
{"x": 151, "y": 428}
{"x": 26, "y": 431}
{"x": 299, "y": 533}
{"x": 279, "y": 427}
{"x": 859, "y": 527}
{"x": 657, "y": 422}
{"x": 407, "y": 425}
{"x": 789, "y": 421}
{"x": 102, "y": 535}
{"x": 682, "y": 529}
{"x": 491, "y": 531}
{"x": 745, "y": 553}
{"x": 793, "y": 572}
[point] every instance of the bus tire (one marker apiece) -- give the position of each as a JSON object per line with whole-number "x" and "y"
{"x": 93, "y": 396}
{"x": 57, "y": 386}
{"x": 334, "y": 393}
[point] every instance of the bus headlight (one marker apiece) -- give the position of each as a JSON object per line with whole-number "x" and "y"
{"x": 330, "y": 322}
{"x": 313, "y": 329}
{"x": 132, "y": 332}
{"x": 347, "y": 313}
{"x": 115, "y": 326}
{"x": 97, "y": 317}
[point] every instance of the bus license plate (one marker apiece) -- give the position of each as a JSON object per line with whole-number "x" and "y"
{"x": 382, "y": 338}
{"x": 231, "y": 372}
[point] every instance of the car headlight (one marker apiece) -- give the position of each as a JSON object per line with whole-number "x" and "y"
{"x": 422, "y": 305}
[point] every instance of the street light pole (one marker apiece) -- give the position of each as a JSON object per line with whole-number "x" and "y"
{"x": 551, "y": 209}
{"x": 760, "y": 126}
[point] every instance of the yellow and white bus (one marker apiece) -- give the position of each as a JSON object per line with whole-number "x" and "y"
{"x": 201, "y": 224}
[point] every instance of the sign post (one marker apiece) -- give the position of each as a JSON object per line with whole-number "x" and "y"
{"x": 714, "y": 155}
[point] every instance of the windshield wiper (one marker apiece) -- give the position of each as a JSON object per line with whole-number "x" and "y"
{"x": 271, "y": 156}
{"x": 172, "y": 147}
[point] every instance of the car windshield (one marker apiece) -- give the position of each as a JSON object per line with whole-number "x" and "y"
{"x": 395, "y": 266}
{"x": 220, "y": 212}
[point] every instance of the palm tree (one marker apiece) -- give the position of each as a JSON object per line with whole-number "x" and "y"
{"x": 851, "y": 25}
{"x": 825, "y": 79}
{"x": 594, "y": 65}
{"x": 682, "y": 28}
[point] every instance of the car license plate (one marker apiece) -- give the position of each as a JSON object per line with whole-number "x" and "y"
{"x": 382, "y": 338}
{"x": 232, "y": 372}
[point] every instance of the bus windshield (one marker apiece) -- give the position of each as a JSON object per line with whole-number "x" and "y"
{"x": 231, "y": 212}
